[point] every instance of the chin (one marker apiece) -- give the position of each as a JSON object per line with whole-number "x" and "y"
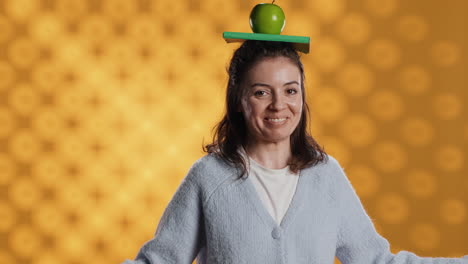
{"x": 277, "y": 138}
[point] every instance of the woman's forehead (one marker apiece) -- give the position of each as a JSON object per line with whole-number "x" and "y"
{"x": 274, "y": 60}
{"x": 278, "y": 70}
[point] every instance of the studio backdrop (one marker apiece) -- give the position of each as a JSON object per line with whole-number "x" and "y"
{"x": 104, "y": 106}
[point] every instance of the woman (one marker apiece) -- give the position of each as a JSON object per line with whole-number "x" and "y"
{"x": 266, "y": 192}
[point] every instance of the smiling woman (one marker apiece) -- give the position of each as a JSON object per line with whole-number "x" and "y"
{"x": 272, "y": 105}
{"x": 266, "y": 111}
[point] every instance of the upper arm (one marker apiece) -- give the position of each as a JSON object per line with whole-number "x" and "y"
{"x": 358, "y": 240}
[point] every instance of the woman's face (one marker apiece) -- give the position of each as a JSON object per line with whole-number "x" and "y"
{"x": 272, "y": 101}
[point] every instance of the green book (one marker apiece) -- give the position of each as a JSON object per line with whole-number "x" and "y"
{"x": 300, "y": 43}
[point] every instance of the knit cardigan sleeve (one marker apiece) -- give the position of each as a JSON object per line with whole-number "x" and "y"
{"x": 180, "y": 234}
{"x": 359, "y": 242}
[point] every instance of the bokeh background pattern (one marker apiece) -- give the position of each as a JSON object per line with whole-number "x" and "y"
{"x": 104, "y": 106}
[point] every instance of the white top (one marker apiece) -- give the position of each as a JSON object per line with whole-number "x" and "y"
{"x": 275, "y": 187}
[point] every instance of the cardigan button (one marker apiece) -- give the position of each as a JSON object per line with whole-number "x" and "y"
{"x": 276, "y": 233}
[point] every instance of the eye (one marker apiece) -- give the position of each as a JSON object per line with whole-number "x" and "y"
{"x": 260, "y": 93}
{"x": 291, "y": 91}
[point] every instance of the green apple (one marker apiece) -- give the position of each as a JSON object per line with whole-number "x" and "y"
{"x": 267, "y": 18}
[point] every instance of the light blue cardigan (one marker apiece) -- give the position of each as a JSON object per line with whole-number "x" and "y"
{"x": 221, "y": 219}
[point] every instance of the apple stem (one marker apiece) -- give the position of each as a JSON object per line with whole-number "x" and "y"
{"x": 273, "y": 2}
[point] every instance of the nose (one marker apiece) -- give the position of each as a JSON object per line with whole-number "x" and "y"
{"x": 278, "y": 102}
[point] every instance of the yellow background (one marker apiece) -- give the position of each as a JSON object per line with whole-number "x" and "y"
{"x": 104, "y": 105}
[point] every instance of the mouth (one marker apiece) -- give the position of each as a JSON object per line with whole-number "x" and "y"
{"x": 276, "y": 120}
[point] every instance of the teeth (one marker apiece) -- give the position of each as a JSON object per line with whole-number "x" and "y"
{"x": 276, "y": 119}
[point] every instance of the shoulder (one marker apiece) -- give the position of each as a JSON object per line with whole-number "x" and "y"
{"x": 328, "y": 165}
{"x": 211, "y": 164}
{"x": 328, "y": 174}
{"x": 332, "y": 163}
{"x": 209, "y": 171}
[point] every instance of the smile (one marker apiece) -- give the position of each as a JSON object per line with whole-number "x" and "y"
{"x": 276, "y": 119}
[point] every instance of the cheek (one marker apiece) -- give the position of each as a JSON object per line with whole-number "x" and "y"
{"x": 251, "y": 109}
{"x": 296, "y": 106}
{"x": 250, "y": 113}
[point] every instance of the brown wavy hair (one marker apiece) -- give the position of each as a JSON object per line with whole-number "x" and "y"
{"x": 231, "y": 132}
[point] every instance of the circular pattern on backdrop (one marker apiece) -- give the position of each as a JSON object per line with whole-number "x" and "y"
{"x": 445, "y": 53}
{"x": 25, "y": 241}
{"x": 328, "y": 104}
{"x": 354, "y": 28}
{"x": 386, "y": 105}
{"x": 71, "y": 9}
{"x": 70, "y": 51}
{"x": 69, "y": 100}
{"x": 336, "y": 148}
{"x": 328, "y": 55}
{"x": 316, "y": 129}
{"x": 303, "y": 22}
{"x": 168, "y": 10}
{"x": 392, "y": 208}
{"x": 24, "y": 146}
{"x": 356, "y": 79}
{"x": 453, "y": 211}
{"x": 447, "y": 106}
{"x": 121, "y": 10}
{"x": 414, "y": 79}
{"x": 24, "y": 194}
{"x": 143, "y": 28}
{"x": 21, "y": 10}
{"x": 312, "y": 82}
{"x": 381, "y": 8}
{"x": 389, "y": 156}
{"x": 417, "y": 131}
{"x": 96, "y": 26}
{"x": 71, "y": 198}
{"x": 7, "y": 169}
{"x": 412, "y": 28}
{"x": 219, "y": 9}
{"x": 383, "y": 54}
{"x": 7, "y": 75}
{"x": 449, "y": 158}
{"x": 424, "y": 236}
{"x": 8, "y": 121}
{"x": 358, "y": 130}
{"x": 421, "y": 183}
{"x": 47, "y": 123}
{"x": 364, "y": 180}
{"x": 6, "y": 257}
{"x": 6, "y": 28}
{"x": 7, "y": 217}
{"x": 47, "y": 257}
{"x": 204, "y": 31}
{"x": 48, "y": 170}
{"x": 72, "y": 247}
{"x": 466, "y": 132}
{"x": 48, "y": 218}
{"x": 24, "y": 99}
{"x": 327, "y": 10}
{"x": 47, "y": 77}
{"x": 47, "y": 29}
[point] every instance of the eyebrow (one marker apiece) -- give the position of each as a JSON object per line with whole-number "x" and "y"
{"x": 267, "y": 85}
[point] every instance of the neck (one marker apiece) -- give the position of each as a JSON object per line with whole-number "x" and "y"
{"x": 272, "y": 155}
